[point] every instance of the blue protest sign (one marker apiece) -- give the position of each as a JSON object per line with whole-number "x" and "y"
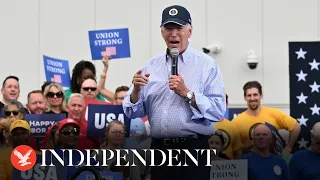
{"x": 57, "y": 70}
{"x": 114, "y": 42}
{"x": 41, "y": 172}
{"x": 106, "y": 175}
{"x": 100, "y": 115}
{"x": 40, "y": 123}
{"x": 233, "y": 112}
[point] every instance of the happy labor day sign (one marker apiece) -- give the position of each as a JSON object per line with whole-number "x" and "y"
{"x": 40, "y": 123}
{"x": 112, "y": 42}
{"x": 57, "y": 70}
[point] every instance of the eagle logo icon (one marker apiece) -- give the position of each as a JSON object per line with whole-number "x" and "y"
{"x": 23, "y": 157}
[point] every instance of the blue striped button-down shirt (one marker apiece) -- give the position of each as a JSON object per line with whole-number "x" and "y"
{"x": 169, "y": 114}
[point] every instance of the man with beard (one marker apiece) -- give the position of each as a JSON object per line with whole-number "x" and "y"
{"x": 304, "y": 164}
{"x": 257, "y": 114}
{"x": 37, "y": 103}
{"x": 89, "y": 88}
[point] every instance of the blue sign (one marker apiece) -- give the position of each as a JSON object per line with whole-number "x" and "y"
{"x": 112, "y": 42}
{"x": 233, "y": 112}
{"x": 57, "y": 70}
{"x": 100, "y": 115}
{"x": 87, "y": 175}
{"x": 41, "y": 172}
{"x": 40, "y": 123}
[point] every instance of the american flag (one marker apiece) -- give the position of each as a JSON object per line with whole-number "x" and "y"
{"x": 304, "y": 61}
{"x": 109, "y": 51}
{"x": 56, "y": 78}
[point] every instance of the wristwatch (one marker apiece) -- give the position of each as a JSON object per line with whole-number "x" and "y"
{"x": 189, "y": 96}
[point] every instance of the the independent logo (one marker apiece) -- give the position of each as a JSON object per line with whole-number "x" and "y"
{"x": 23, "y": 158}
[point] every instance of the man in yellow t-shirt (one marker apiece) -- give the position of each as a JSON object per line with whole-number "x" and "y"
{"x": 257, "y": 114}
{"x": 232, "y": 146}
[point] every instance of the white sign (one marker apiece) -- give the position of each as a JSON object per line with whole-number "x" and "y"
{"x": 229, "y": 170}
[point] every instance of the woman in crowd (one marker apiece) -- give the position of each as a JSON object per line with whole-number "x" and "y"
{"x": 54, "y": 94}
{"x": 216, "y": 141}
{"x": 114, "y": 139}
{"x": 82, "y": 71}
{"x": 14, "y": 110}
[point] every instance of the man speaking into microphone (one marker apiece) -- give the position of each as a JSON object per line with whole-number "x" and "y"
{"x": 182, "y": 92}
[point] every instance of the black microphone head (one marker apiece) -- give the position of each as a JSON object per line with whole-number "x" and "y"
{"x": 174, "y": 52}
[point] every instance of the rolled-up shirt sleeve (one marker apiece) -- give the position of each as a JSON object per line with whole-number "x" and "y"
{"x": 133, "y": 110}
{"x": 212, "y": 102}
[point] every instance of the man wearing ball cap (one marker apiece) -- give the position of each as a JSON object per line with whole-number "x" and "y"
{"x": 181, "y": 91}
{"x": 66, "y": 128}
{"x": 20, "y": 133}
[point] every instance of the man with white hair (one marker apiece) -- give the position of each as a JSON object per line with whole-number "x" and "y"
{"x": 262, "y": 164}
{"x": 304, "y": 164}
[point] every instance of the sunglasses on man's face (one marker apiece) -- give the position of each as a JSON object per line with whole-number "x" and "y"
{"x": 67, "y": 132}
{"x": 89, "y": 88}
{"x": 52, "y": 94}
{"x": 8, "y": 113}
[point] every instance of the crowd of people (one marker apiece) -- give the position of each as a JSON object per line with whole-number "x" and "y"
{"x": 185, "y": 111}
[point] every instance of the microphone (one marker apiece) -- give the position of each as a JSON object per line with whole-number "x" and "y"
{"x": 174, "y": 55}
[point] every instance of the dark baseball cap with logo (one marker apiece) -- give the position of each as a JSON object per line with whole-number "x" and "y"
{"x": 176, "y": 14}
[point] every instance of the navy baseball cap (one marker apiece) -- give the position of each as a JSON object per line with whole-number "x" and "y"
{"x": 176, "y": 14}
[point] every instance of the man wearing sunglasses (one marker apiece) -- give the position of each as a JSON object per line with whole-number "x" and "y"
{"x": 68, "y": 134}
{"x": 69, "y": 131}
{"x": 304, "y": 164}
{"x": 89, "y": 88}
